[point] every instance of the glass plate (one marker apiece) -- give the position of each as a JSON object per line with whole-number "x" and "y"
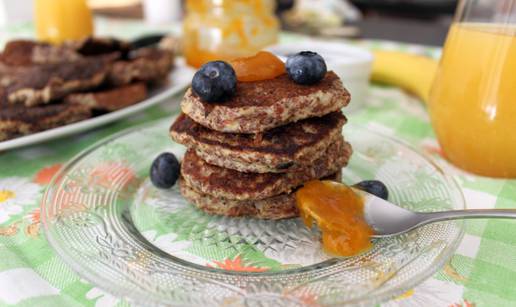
{"x": 106, "y": 220}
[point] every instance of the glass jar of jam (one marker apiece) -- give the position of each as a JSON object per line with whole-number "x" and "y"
{"x": 227, "y": 29}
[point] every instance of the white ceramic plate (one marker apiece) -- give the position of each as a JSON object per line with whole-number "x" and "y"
{"x": 179, "y": 79}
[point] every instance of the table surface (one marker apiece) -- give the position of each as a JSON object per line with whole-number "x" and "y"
{"x": 482, "y": 272}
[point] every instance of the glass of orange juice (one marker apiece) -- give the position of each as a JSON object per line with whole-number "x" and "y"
{"x": 473, "y": 99}
{"x": 60, "y": 20}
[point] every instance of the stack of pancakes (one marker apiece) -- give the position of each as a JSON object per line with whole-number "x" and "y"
{"x": 248, "y": 155}
{"x": 45, "y": 86}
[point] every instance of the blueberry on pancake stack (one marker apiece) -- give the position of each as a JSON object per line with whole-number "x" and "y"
{"x": 257, "y": 130}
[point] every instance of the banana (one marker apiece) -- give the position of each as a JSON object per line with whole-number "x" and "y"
{"x": 413, "y": 73}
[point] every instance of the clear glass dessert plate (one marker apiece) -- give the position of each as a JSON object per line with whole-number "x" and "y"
{"x": 105, "y": 219}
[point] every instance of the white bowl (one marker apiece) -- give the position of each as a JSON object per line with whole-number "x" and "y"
{"x": 353, "y": 65}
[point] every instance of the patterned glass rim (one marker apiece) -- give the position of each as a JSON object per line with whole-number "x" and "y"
{"x": 97, "y": 279}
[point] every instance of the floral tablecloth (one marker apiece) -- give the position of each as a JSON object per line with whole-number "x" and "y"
{"x": 482, "y": 272}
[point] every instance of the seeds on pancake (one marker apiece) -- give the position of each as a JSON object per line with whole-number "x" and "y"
{"x": 285, "y": 165}
{"x": 309, "y": 129}
{"x": 258, "y": 137}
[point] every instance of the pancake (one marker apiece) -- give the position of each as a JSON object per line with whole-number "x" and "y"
{"x": 286, "y": 148}
{"x": 262, "y": 105}
{"x": 111, "y": 99}
{"x": 18, "y": 121}
{"x": 274, "y": 208}
{"x": 20, "y": 52}
{"x": 230, "y": 184}
{"x": 150, "y": 65}
{"x": 41, "y": 84}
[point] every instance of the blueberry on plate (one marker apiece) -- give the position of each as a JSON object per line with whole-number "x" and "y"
{"x": 374, "y": 187}
{"x": 215, "y": 81}
{"x": 306, "y": 67}
{"x": 164, "y": 171}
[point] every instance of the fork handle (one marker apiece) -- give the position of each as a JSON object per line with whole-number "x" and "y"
{"x": 431, "y": 217}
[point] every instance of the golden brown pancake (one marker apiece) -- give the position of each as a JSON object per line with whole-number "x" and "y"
{"x": 262, "y": 105}
{"x": 278, "y": 150}
{"x": 230, "y": 184}
{"x": 111, "y": 99}
{"x": 274, "y": 208}
{"x": 17, "y": 121}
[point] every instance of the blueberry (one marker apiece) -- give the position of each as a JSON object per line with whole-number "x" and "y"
{"x": 306, "y": 67}
{"x": 374, "y": 187}
{"x": 215, "y": 81}
{"x": 164, "y": 171}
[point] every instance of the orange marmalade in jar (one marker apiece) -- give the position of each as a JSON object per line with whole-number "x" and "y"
{"x": 227, "y": 29}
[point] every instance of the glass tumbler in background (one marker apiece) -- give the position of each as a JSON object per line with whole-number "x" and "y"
{"x": 60, "y": 20}
{"x": 473, "y": 99}
{"x": 227, "y": 29}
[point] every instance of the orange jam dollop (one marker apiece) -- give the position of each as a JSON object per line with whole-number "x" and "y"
{"x": 262, "y": 66}
{"x": 339, "y": 212}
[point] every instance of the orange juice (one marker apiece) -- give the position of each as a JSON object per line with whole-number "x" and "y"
{"x": 227, "y": 29}
{"x": 473, "y": 100}
{"x": 60, "y": 20}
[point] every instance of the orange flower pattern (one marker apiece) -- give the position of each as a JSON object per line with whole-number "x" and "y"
{"x": 237, "y": 265}
{"x": 466, "y": 303}
{"x": 45, "y": 175}
{"x": 433, "y": 150}
{"x": 34, "y": 216}
{"x": 111, "y": 174}
{"x": 309, "y": 299}
{"x": 34, "y": 219}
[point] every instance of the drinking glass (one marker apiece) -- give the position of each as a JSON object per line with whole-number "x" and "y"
{"x": 473, "y": 99}
{"x": 61, "y": 20}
